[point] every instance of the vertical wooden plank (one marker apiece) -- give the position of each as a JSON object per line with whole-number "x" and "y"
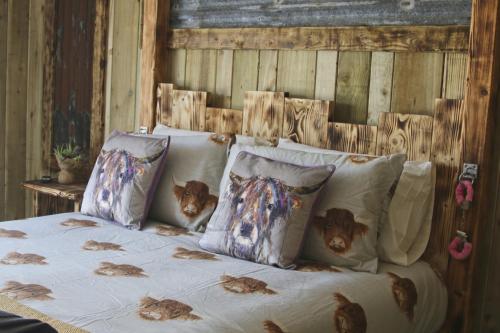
{"x": 353, "y": 79}
{"x": 268, "y": 70}
{"x": 224, "y": 120}
{"x": 326, "y": 75}
{"x": 15, "y": 120}
{"x": 263, "y": 114}
{"x": 156, "y": 18}
{"x": 224, "y": 78}
{"x": 34, "y": 160}
{"x": 400, "y": 133}
{"x": 123, "y": 71}
{"x": 164, "y": 104}
{"x": 352, "y": 138}
{"x": 48, "y": 83}
{"x": 417, "y": 82}
{"x": 189, "y": 109}
{"x": 380, "y": 94}
{"x": 306, "y": 121}
{"x": 201, "y": 67}
{"x": 245, "y": 75}
{"x": 455, "y": 68}
{"x": 176, "y": 67}
{"x": 296, "y": 73}
{"x": 3, "y": 104}
{"x": 99, "y": 78}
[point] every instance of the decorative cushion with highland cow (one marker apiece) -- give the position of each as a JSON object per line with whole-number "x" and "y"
{"x": 265, "y": 209}
{"x": 124, "y": 178}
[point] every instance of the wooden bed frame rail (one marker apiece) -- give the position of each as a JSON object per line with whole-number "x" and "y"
{"x": 460, "y": 130}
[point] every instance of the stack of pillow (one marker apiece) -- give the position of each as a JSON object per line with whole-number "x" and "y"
{"x": 271, "y": 205}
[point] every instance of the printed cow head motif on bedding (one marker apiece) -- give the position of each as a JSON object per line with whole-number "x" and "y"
{"x": 167, "y": 309}
{"x": 19, "y": 291}
{"x": 245, "y": 285}
{"x": 16, "y": 258}
{"x": 182, "y": 253}
{"x": 168, "y": 230}
{"x": 316, "y": 267}
{"x": 116, "y": 170}
{"x": 271, "y": 327}
{"x": 349, "y": 317}
{"x": 339, "y": 229}
{"x": 92, "y": 245}
{"x": 257, "y": 205}
{"x": 110, "y": 269}
{"x": 12, "y": 233}
{"x": 405, "y": 294}
{"x": 194, "y": 198}
{"x": 79, "y": 223}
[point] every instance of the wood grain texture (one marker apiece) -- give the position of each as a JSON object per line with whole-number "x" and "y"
{"x": 296, "y": 73}
{"x": 201, "y": 71}
{"x": 224, "y": 78}
{"x": 382, "y": 38}
{"x": 245, "y": 75}
{"x": 326, "y": 75}
{"x": 409, "y": 134}
{"x": 379, "y": 99}
{"x": 263, "y": 114}
{"x": 155, "y": 19}
{"x": 268, "y": 70}
{"x": 3, "y": 90}
{"x": 176, "y": 67}
{"x": 352, "y": 138}
{"x": 353, "y": 79}
{"x": 454, "y": 77}
{"x": 446, "y": 153}
{"x": 306, "y": 121}
{"x": 189, "y": 109}
{"x": 15, "y": 120}
{"x": 417, "y": 82}
{"x": 265, "y": 13}
{"x": 164, "y": 103}
{"x": 99, "y": 57}
{"x": 224, "y": 120}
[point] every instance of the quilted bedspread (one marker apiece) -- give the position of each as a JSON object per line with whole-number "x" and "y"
{"x": 103, "y": 278}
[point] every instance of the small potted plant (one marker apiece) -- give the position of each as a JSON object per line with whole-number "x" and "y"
{"x": 72, "y": 162}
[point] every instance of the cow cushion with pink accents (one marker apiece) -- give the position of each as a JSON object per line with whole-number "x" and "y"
{"x": 265, "y": 209}
{"x": 124, "y": 178}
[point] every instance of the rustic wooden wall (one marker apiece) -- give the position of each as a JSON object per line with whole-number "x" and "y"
{"x": 265, "y": 13}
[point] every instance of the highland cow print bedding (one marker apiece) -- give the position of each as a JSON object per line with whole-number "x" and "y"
{"x": 103, "y": 278}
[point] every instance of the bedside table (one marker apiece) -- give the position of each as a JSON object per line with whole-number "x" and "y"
{"x": 54, "y": 198}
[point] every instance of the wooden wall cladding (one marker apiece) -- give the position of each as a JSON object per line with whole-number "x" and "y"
{"x": 263, "y": 114}
{"x": 352, "y": 138}
{"x": 363, "y": 84}
{"x": 266, "y": 13}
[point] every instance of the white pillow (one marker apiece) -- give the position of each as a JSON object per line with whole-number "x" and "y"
{"x": 406, "y": 220}
{"x": 253, "y": 141}
{"x": 189, "y": 187}
{"x": 406, "y": 226}
{"x": 356, "y": 191}
{"x": 166, "y": 130}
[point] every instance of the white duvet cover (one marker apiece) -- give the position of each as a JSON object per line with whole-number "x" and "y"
{"x": 105, "y": 278}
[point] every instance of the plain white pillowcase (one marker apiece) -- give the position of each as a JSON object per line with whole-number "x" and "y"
{"x": 406, "y": 221}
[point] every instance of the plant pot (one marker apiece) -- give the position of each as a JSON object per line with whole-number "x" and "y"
{"x": 72, "y": 171}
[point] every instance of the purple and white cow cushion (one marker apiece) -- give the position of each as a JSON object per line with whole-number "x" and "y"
{"x": 263, "y": 214}
{"x": 124, "y": 178}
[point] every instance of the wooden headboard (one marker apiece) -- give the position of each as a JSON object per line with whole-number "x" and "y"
{"x": 217, "y": 71}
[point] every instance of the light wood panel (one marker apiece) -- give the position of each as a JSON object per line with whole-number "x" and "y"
{"x": 224, "y": 78}
{"x": 15, "y": 120}
{"x": 379, "y": 100}
{"x": 189, "y": 109}
{"x": 353, "y": 79}
{"x": 400, "y": 133}
{"x": 224, "y": 120}
{"x": 245, "y": 75}
{"x": 384, "y": 38}
{"x": 326, "y": 75}
{"x": 201, "y": 66}
{"x": 49, "y": 82}
{"x": 296, "y": 73}
{"x": 268, "y": 70}
{"x": 306, "y": 121}
{"x": 164, "y": 103}
{"x": 3, "y": 90}
{"x": 352, "y": 138}
{"x": 176, "y": 67}
{"x": 455, "y": 68}
{"x": 263, "y": 114}
{"x": 417, "y": 82}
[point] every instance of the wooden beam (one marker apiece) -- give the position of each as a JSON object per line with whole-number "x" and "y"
{"x": 362, "y": 38}
{"x": 481, "y": 107}
{"x": 99, "y": 78}
{"x": 153, "y": 54}
{"x": 3, "y": 90}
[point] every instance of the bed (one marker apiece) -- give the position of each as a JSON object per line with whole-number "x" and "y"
{"x": 100, "y": 277}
